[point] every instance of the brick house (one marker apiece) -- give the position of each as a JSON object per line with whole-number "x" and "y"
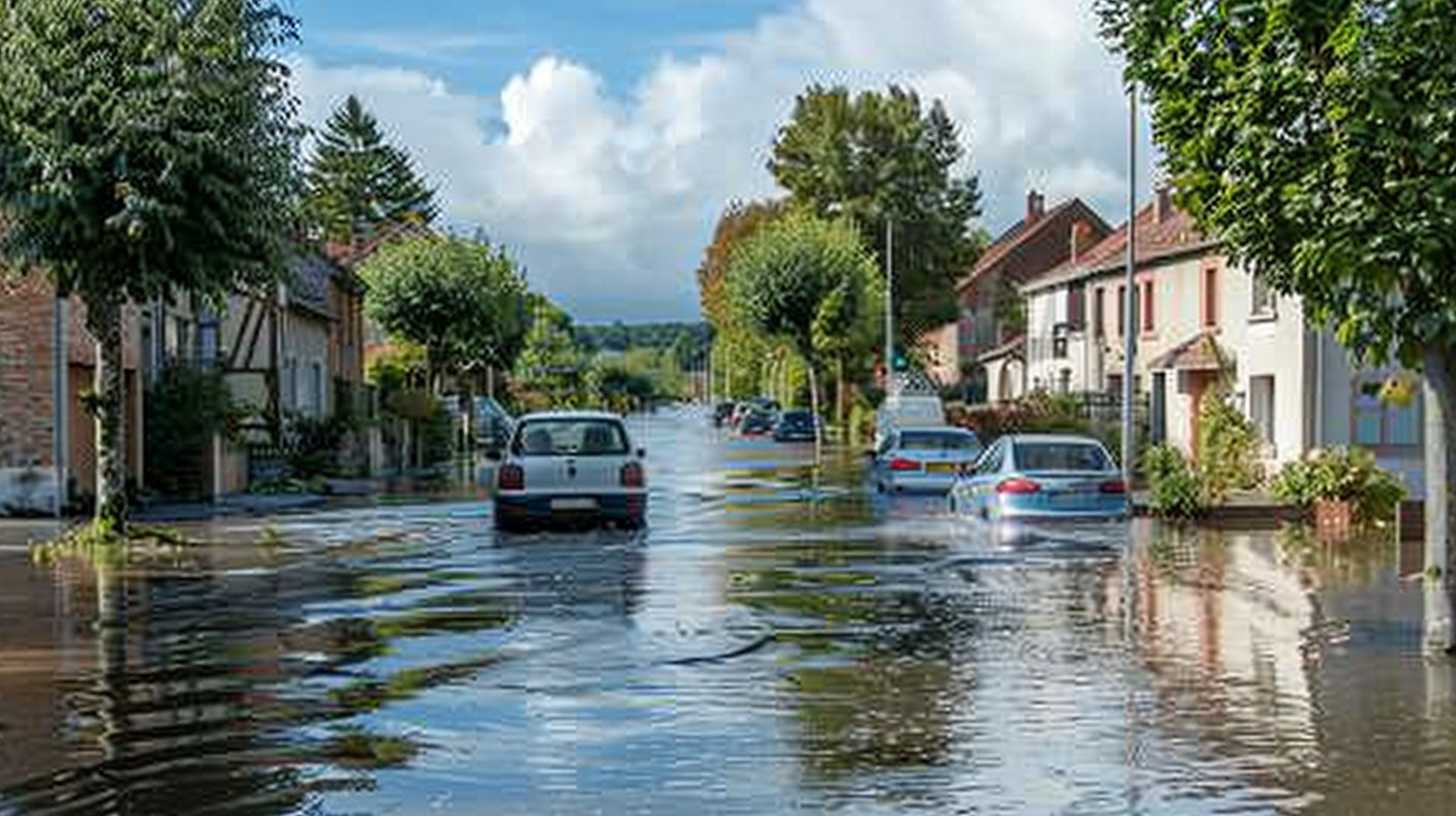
{"x": 33, "y": 426}
{"x": 1041, "y": 240}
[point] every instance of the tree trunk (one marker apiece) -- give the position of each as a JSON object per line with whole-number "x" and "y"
{"x": 103, "y": 320}
{"x": 814, "y": 410}
{"x": 1440, "y": 397}
{"x": 839, "y": 397}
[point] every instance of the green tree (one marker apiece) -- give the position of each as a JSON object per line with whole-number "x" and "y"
{"x": 147, "y": 148}
{"x": 738, "y": 351}
{"x": 805, "y": 279}
{"x": 1317, "y": 138}
{"x": 552, "y": 368}
{"x": 464, "y": 302}
{"x": 357, "y": 182}
{"x": 879, "y": 156}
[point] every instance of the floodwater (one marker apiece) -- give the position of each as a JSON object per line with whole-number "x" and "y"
{"x": 768, "y": 645}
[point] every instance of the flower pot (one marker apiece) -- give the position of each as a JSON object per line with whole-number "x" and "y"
{"x": 1333, "y": 520}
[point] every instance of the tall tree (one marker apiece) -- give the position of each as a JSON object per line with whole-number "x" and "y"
{"x": 358, "y": 182}
{"x": 552, "y": 365}
{"x": 807, "y": 280}
{"x": 738, "y": 350}
{"x": 463, "y": 301}
{"x": 878, "y": 158}
{"x": 147, "y": 148}
{"x": 1317, "y": 138}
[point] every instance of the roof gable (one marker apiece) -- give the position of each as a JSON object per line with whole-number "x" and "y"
{"x": 1008, "y": 253}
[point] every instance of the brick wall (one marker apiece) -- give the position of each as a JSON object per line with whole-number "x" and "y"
{"x": 27, "y": 314}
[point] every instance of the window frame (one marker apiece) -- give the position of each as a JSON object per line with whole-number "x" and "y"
{"x": 1372, "y": 381}
{"x": 1208, "y": 285}
{"x": 1261, "y": 312}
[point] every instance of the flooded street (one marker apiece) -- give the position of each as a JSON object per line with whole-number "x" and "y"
{"x": 763, "y": 647}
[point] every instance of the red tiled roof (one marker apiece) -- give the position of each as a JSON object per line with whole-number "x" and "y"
{"x": 1173, "y": 235}
{"x": 1198, "y": 353}
{"x": 1012, "y": 347}
{"x": 1013, "y": 237}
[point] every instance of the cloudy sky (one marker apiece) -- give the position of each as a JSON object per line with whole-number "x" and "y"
{"x": 600, "y": 139}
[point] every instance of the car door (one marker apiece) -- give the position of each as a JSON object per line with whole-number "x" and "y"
{"x": 883, "y": 454}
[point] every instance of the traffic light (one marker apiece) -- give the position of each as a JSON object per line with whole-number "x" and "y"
{"x": 900, "y": 362}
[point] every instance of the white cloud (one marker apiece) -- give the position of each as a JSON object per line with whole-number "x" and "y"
{"x": 608, "y": 199}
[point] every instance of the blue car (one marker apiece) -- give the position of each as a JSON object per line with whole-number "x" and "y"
{"x": 1036, "y": 478}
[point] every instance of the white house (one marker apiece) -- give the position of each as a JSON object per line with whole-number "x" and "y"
{"x": 1197, "y": 319}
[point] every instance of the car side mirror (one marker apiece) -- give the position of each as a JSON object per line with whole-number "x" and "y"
{"x": 641, "y": 453}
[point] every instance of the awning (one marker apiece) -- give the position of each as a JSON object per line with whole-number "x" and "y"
{"x": 1198, "y": 353}
{"x": 1011, "y": 348}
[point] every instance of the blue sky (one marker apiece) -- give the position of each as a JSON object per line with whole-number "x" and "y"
{"x": 600, "y": 140}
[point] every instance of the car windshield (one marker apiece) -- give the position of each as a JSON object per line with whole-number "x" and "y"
{"x": 796, "y": 418}
{"x": 1032, "y": 457}
{"x": 576, "y": 437}
{"x": 939, "y": 441}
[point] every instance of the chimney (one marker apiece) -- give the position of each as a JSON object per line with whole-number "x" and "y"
{"x": 1035, "y": 206}
{"x": 1162, "y": 203}
{"x": 1080, "y": 239}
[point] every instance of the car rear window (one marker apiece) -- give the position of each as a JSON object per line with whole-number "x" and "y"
{"x": 575, "y": 437}
{"x": 938, "y": 441}
{"x": 1049, "y": 456}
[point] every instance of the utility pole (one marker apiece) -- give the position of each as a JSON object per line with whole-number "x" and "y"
{"x": 1131, "y": 324}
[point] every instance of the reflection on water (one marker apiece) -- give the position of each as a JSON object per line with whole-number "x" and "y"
{"x": 779, "y": 639}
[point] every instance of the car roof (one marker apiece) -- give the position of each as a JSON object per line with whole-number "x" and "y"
{"x": 1063, "y": 439}
{"x": 543, "y": 415}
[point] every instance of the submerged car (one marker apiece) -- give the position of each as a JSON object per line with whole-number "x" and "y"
{"x": 1042, "y": 477}
{"x": 924, "y": 459}
{"x": 795, "y": 426}
{"x": 570, "y": 466}
{"x": 723, "y": 412}
{"x": 757, "y": 422}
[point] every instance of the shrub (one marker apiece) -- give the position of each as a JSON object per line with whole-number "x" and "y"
{"x": 185, "y": 407}
{"x": 1228, "y": 449}
{"x": 311, "y": 444}
{"x": 1174, "y": 488}
{"x": 1341, "y": 474}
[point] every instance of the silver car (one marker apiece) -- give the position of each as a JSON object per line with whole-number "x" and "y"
{"x": 924, "y": 459}
{"x": 1042, "y": 477}
{"x": 570, "y": 466}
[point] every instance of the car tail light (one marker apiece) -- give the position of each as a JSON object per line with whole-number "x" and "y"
{"x": 512, "y": 477}
{"x": 904, "y": 464}
{"x": 1018, "y": 485}
{"x": 1114, "y": 486}
{"x": 632, "y": 475}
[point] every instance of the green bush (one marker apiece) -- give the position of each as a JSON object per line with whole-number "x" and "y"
{"x": 185, "y": 407}
{"x": 1174, "y": 488}
{"x": 311, "y": 444}
{"x": 1228, "y": 449}
{"x": 1341, "y": 474}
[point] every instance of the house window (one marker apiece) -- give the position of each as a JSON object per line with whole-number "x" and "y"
{"x": 1377, "y": 423}
{"x": 1077, "y": 305}
{"x": 1114, "y": 385}
{"x": 1097, "y": 327}
{"x": 1261, "y": 406}
{"x": 1263, "y": 298}
{"x": 1059, "y": 341}
{"x": 1121, "y": 310}
{"x": 1210, "y": 297}
{"x": 1147, "y": 314}
{"x": 1064, "y": 381}
{"x": 293, "y": 399}
{"x": 316, "y": 390}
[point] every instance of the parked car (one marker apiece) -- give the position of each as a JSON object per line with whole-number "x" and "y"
{"x": 1042, "y": 477}
{"x": 722, "y": 412}
{"x": 757, "y": 422}
{"x": 907, "y": 411}
{"x": 570, "y": 466}
{"x": 795, "y": 426}
{"x": 924, "y": 459}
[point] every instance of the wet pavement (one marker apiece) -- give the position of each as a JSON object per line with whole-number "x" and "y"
{"x": 772, "y": 643}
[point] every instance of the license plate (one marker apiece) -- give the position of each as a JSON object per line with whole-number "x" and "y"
{"x": 1067, "y": 499}
{"x": 941, "y": 467}
{"x": 573, "y": 504}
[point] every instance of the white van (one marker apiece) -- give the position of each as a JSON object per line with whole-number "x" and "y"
{"x": 907, "y": 411}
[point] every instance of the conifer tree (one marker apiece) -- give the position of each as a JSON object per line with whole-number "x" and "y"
{"x": 357, "y": 182}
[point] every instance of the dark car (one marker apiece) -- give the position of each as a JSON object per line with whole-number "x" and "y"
{"x": 722, "y": 412}
{"x": 794, "y": 426}
{"x": 756, "y": 423}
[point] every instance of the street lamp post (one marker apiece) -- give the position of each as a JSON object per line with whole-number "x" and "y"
{"x": 1130, "y": 335}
